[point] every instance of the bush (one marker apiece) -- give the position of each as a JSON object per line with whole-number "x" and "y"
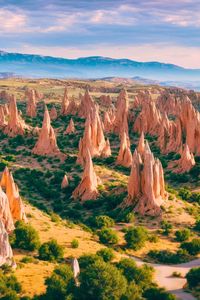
{"x": 192, "y": 247}
{"x": 166, "y": 226}
{"x": 104, "y": 221}
{"x": 51, "y": 251}
{"x": 168, "y": 257}
{"x": 25, "y": 237}
{"x": 184, "y": 193}
{"x": 101, "y": 281}
{"x": 193, "y": 278}
{"x": 9, "y": 286}
{"x": 74, "y": 243}
{"x": 88, "y": 259}
{"x": 182, "y": 235}
{"x": 136, "y": 237}
{"x": 156, "y": 293}
{"x": 107, "y": 254}
{"x": 197, "y": 225}
{"x": 108, "y": 236}
{"x": 60, "y": 284}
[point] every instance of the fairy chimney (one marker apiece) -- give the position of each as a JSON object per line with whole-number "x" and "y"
{"x": 87, "y": 188}
{"x": 70, "y": 128}
{"x": 121, "y": 117}
{"x": 65, "y": 103}
{"x": 86, "y": 105}
{"x": 47, "y": 144}
{"x": 12, "y": 192}
{"x": 146, "y": 187}
{"x": 107, "y": 150}
{"x": 124, "y": 157}
{"x": 65, "y": 182}
{"x": 185, "y": 163}
{"x": 31, "y": 104}
{"x": 16, "y": 125}
{"x": 53, "y": 113}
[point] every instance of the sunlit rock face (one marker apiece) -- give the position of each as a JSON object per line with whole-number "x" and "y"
{"x": 109, "y": 119}
{"x": 70, "y": 128}
{"x": 12, "y": 192}
{"x": 87, "y": 188}
{"x": 146, "y": 186}
{"x": 105, "y": 100}
{"x": 6, "y": 227}
{"x": 107, "y": 150}
{"x": 16, "y": 125}
{"x": 168, "y": 103}
{"x": 47, "y": 144}
{"x": 121, "y": 115}
{"x": 86, "y": 105}
{"x": 65, "y": 103}
{"x": 124, "y": 157}
{"x": 3, "y": 122}
{"x": 53, "y": 113}
{"x": 31, "y": 110}
{"x": 185, "y": 163}
{"x": 93, "y": 138}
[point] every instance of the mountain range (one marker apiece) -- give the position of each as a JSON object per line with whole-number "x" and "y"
{"x": 36, "y": 66}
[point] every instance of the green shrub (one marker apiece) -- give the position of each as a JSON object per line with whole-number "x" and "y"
{"x": 193, "y": 278}
{"x": 197, "y": 225}
{"x": 101, "y": 281}
{"x": 74, "y": 243}
{"x": 192, "y": 247}
{"x": 182, "y": 235}
{"x": 136, "y": 237}
{"x": 156, "y": 293}
{"x": 184, "y": 193}
{"x": 104, "y": 221}
{"x": 107, "y": 254}
{"x": 168, "y": 257}
{"x": 108, "y": 236}
{"x": 25, "y": 237}
{"x": 88, "y": 259}
{"x": 9, "y": 286}
{"x": 51, "y": 251}
{"x": 166, "y": 226}
{"x": 60, "y": 284}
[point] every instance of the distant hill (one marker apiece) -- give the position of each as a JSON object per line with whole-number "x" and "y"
{"x": 92, "y": 67}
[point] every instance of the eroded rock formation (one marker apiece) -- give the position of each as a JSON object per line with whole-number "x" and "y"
{"x": 86, "y": 105}
{"x": 121, "y": 116}
{"x": 65, "y": 103}
{"x": 146, "y": 187}
{"x": 15, "y": 202}
{"x": 70, "y": 128}
{"x": 53, "y": 113}
{"x": 87, "y": 188}
{"x": 16, "y": 125}
{"x": 65, "y": 182}
{"x": 47, "y": 144}
{"x": 31, "y": 110}
{"x": 124, "y": 157}
{"x": 185, "y": 163}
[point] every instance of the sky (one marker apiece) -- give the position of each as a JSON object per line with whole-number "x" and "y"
{"x": 143, "y": 30}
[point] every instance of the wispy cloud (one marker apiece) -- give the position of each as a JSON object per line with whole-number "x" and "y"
{"x": 12, "y": 21}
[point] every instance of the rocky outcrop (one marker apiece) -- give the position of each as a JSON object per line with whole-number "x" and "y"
{"x": 141, "y": 145}
{"x": 70, "y": 128}
{"x": 149, "y": 119}
{"x": 73, "y": 107}
{"x": 109, "y": 119}
{"x": 105, "y": 100}
{"x": 6, "y": 254}
{"x": 86, "y": 105}
{"x": 87, "y": 188}
{"x": 185, "y": 163}
{"x": 3, "y": 122}
{"x": 75, "y": 268}
{"x": 107, "y": 150}
{"x": 124, "y": 157}
{"x": 53, "y": 113}
{"x": 47, "y": 144}
{"x": 65, "y": 182}
{"x": 16, "y": 125}
{"x": 121, "y": 116}
{"x": 65, "y": 103}
{"x": 93, "y": 138}
{"x": 31, "y": 110}
{"x": 15, "y": 202}
{"x": 146, "y": 187}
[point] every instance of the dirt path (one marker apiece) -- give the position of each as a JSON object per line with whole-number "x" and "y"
{"x": 174, "y": 285}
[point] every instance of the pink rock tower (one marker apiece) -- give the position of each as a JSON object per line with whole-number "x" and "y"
{"x": 65, "y": 182}
{"x": 186, "y": 162}
{"x": 124, "y": 157}
{"x": 16, "y": 125}
{"x": 121, "y": 117}
{"x": 146, "y": 187}
{"x": 53, "y": 113}
{"x": 31, "y": 110}
{"x": 47, "y": 144}
{"x": 87, "y": 188}
{"x": 70, "y": 128}
{"x": 86, "y": 105}
{"x": 65, "y": 103}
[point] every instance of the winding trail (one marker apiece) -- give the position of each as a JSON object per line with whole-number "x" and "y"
{"x": 163, "y": 276}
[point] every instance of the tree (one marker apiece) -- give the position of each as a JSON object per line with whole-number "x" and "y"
{"x": 182, "y": 235}
{"x": 51, "y": 251}
{"x": 136, "y": 237}
{"x": 193, "y": 277}
{"x": 108, "y": 236}
{"x": 25, "y": 237}
{"x": 60, "y": 284}
{"x": 101, "y": 281}
{"x": 107, "y": 254}
{"x": 192, "y": 247}
{"x": 88, "y": 259}
{"x": 197, "y": 225}
{"x": 9, "y": 286}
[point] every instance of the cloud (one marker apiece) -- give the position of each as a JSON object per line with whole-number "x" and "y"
{"x": 12, "y": 21}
